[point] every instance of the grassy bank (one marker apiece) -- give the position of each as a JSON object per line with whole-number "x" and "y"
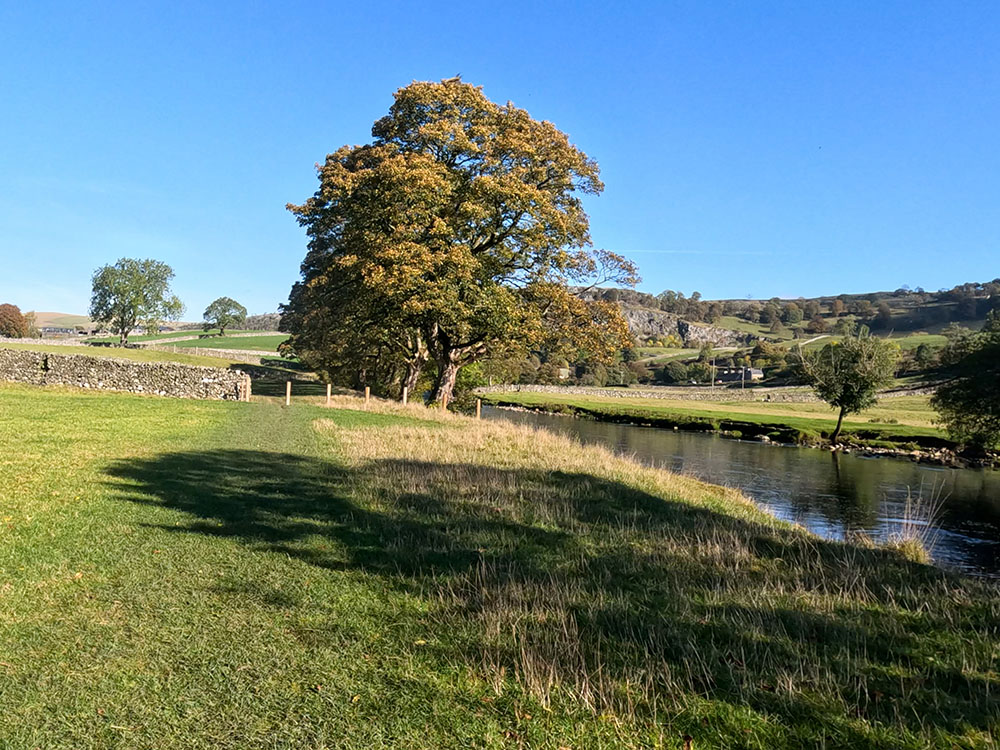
{"x": 258, "y": 343}
{"x": 900, "y": 421}
{"x": 226, "y": 575}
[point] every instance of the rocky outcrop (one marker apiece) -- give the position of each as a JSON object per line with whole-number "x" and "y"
{"x": 645, "y": 323}
{"x": 110, "y": 374}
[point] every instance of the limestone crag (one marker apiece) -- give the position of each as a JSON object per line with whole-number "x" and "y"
{"x": 645, "y": 323}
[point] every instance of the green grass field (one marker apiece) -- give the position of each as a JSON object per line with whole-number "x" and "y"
{"x": 147, "y": 337}
{"x": 913, "y": 340}
{"x": 170, "y": 335}
{"x": 258, "y": 343}
{"x": 761, "y": 331}
{"x": 135, "y": 355}
{"x": 912, "y": 416}
{"x": 220, "y": 575}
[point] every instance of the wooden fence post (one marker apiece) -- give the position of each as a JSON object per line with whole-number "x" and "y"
{"x": 479, "y": 408}
{"x": 329, "y": 388}
{"x": 368, "y": 395}
{"x": 247, "y": 387}
{"x": 288, "y": 393}
{"x": 405, "y": 394}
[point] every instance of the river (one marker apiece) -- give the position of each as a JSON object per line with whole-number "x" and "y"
{"x": 830, "y": 494}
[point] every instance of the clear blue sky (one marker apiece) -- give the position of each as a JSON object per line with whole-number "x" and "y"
{"x": 748, "y": 148}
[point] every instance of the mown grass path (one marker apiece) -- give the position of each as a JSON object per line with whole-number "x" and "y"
{"x": 221, "y": 575}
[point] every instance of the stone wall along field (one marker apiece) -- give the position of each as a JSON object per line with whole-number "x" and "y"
{"x": 106, "y": 373}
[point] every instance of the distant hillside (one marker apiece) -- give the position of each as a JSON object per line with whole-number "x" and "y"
{"x": 60, "y": 320}
{"x": 901, "y": 311}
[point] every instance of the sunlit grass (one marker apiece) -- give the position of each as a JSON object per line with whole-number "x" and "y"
{"x": 226, "y": 575}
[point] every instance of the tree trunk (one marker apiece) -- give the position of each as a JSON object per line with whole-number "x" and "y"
{"x": 413, "y": 369}
{"x": 840, "y": 423}
{"x": 445, "y": 384}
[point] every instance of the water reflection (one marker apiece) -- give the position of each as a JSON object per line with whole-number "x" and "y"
{"x": 829, "y": 493}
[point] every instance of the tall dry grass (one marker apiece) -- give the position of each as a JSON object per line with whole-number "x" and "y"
{"x": 591, "y": 581}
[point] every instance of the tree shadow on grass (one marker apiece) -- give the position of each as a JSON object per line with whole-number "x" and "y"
{"x": 575, "y": 582}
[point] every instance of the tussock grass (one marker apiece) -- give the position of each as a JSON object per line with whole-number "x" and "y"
{"x": 220, "y": 575}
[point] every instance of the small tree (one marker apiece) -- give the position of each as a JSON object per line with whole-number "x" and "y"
{"x": 817, "y": 325}
{"x": 31, "y": 321}
{"x": 969, "y": 403}
{"x": 133, "y": 292}
{"x": 849, "y": 374}
{"x": 224, "y": 313}
{"x": 12, "y": 323}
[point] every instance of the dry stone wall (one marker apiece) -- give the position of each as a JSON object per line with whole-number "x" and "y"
{"x": 109, "y": 374}
{"x": 250, "y": 356}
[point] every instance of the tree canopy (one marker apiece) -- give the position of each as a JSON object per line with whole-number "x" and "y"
{"x": 131, "y": 293}
{"x": 224, "y": 313}
{"x": 969, "y": 402}
{"x": 12, "y": 323}
{"x": 848, "y": 374}
{"x": 454, "y": 235}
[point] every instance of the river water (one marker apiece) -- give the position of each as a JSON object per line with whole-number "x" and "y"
{"x": 830, "y": 494}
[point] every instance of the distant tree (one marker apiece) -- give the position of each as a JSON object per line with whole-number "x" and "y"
{"x": 264, "y": 322}
{"x": 31, "y": 321}
{"x": 924, "y": 357}
{"x": 751, "y": 313}
{"x": 700, "y": 372}
{"x": 844, "y": 327}
{"x": 12, "y": 322}
{"x": 769, "y": 313}
{"x": 792, "y": 314}
{"x": 862, "y": 308}
{"x": 960, "y": 343}
{"x": 848, "y": 374}
{"x": 810, "y": 309}
{"x": 131, "y": 293}
{"x": 969, "y": 403}
{"x": 777, "y": 326}
{"x": 837, "y": 307}
{"x": 883, "y": 319}
{"x": 817, "y": 325}
{"x": 224, "y": 313}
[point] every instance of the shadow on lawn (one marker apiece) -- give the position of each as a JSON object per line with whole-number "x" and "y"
{"x": 571, "y": 580}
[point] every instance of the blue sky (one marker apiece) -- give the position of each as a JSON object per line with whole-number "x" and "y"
{"x": 761, "y": 148}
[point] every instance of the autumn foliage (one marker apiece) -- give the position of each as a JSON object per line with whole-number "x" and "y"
{"x": 12, "y": 322}
{"x": 458, "y": 233}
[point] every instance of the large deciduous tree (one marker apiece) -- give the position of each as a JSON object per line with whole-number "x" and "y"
{"x": 849, "y": 374}
{"x": 12, "y": 322}
{"x": 224, "y": 313}
{"x": 969, "y": 402}
{"x": 455, "y": 234}
{"x": 131, "y": 293}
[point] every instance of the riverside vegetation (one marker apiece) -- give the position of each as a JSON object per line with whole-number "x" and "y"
{"x": 902, "y": 422}
{"x": 399, "y": 577}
